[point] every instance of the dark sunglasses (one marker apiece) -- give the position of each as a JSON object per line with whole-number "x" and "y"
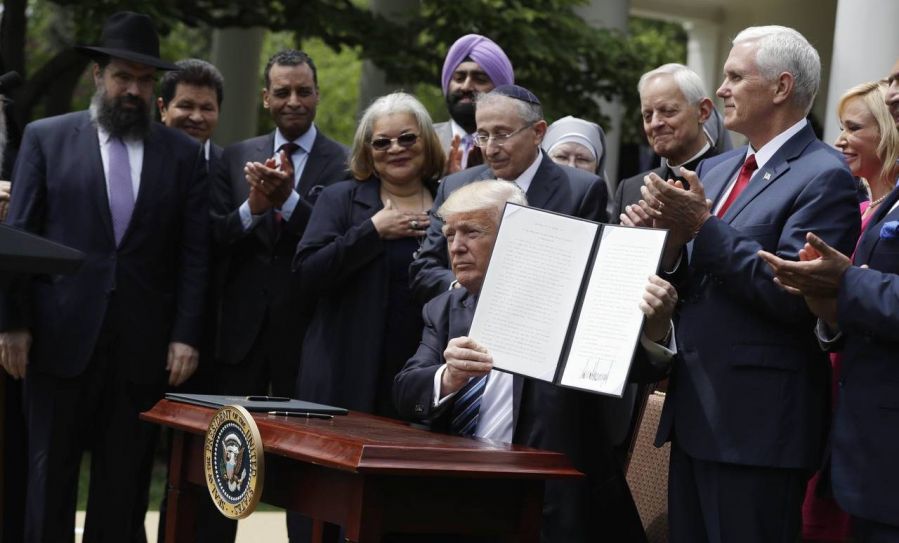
{"x": 403, "y": 140}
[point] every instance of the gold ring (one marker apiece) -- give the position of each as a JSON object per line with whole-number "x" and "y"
{"x": 414, "y": 225}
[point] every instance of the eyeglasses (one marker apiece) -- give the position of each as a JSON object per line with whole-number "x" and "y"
{"x": 483, "y": 140}
{"x": 403, "y": 140}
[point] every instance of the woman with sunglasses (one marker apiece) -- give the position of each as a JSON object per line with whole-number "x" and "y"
{"x": 355, "y": 254}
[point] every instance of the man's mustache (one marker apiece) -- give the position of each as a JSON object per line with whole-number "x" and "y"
{"x": 457, "y": 97}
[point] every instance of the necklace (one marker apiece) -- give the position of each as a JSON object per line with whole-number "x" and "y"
{"x": 877, "y": 201}
{"x": 421, "y": 197}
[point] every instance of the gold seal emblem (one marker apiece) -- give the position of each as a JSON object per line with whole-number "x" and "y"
{"x": 234, "y": 462}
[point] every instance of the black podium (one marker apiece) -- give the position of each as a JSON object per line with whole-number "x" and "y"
{"x": 21, "y": 254}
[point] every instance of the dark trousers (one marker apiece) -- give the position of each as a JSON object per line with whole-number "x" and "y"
{"x": 95, "y": 411}
{"x": 869, "y": 531}
{"x": 14, "y": 464}
{"x": 715, "y": 502}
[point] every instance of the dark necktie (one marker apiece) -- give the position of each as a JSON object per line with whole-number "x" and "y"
{"x": 121, "y": 191}
{"x": 743, "y": 178}
{"x": 289, "y": 149}
{"x": 467, "y": 407}
{"x": 475, "y": 157}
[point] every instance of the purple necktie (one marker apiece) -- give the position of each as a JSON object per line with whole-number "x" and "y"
{"x": 121, "y": 192}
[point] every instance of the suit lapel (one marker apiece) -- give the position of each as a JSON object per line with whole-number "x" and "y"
{"x": 546, "y": 179}
{"x": 715, "y": 186}
{"x": 150, "y": 176}
{"x": 369, "y": 196}
{"x": 315, "y": 163}
{"x": 872, "y": 233}
{"x": 773, "y": 169}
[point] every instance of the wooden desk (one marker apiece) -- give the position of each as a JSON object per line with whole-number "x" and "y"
{"x": 373, "y": 476}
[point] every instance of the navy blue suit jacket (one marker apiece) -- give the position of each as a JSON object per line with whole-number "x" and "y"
{"x": 555, "y": 188}
{"x": 255, "y": 264}
{"x": 865, "y": 437}
{"x": 545, "y": 416}
{"x": 342, "y": 261}
{"x": 750, "y": 383}
{"x": 158, "y": 272}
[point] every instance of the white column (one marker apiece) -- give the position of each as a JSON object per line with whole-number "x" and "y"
{"x": 702, "y": 52}
{"x": 609, "y": 14}
{"x": 235, "y": 52}
{"x": 865, "y": 47}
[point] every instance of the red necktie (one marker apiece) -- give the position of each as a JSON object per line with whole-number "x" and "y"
{"x": 746, "y": 172}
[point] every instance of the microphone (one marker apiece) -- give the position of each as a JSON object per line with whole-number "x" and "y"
{"x": 9, "y": 81}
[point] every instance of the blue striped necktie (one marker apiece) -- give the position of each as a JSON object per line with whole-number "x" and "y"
{"x": 466, "y": 409}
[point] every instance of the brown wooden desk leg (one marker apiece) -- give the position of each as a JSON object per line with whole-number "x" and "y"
{"x": 323, "y": 532}
{"x": 181, "y": 514}
{"x": 364, "y": 521}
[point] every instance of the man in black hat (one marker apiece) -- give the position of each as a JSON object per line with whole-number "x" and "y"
{"x": 510, "y": 128}
{"x": 98, "y": 347}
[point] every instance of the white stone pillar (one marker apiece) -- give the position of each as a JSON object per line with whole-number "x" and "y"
{"x": 235, "y": 52}
{"x": 865, "y": 47}
{"x": 702, "y": 52}
{"x": 611, "y": 14}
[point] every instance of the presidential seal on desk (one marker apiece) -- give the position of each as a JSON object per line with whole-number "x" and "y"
{"x": 233, "y": 462}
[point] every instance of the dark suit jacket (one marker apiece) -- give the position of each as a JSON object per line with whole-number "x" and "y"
{"x": 342, "y": 261}
{"x": 554, "y": 188}
{"x": 546, "y": 417}
{"x": 750, "y": 383}
{"x": 157, "y": 274}
{"x": 628, "y": 191}
{"x": 865, "y": 440}
{"x": 256, "y": 263}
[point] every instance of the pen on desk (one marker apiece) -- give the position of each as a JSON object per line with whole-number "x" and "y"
{"x": 267, "y": 399}
{"x": 304, "y": 415}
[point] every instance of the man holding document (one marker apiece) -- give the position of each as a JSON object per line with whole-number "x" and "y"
{"x": 450, "y": 381}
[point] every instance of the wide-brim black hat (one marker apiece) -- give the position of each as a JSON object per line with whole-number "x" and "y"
{"x": 129, "y": 36}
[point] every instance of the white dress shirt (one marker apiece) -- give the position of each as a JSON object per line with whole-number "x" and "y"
{"x": 135, "y": 158}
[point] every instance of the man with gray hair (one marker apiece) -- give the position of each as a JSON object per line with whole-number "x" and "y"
{"x": 510, "y": 128}
{"x": 450, "y": 382}
{"x": 675, "y": 110}
{"x": 747, "y": 403}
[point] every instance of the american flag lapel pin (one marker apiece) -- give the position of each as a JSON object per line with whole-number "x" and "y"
{"x": 767, "y": 176}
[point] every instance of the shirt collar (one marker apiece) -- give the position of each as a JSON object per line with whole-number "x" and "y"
{"x": 767, "y": 151}
{"x": 524, "y": 180}
{"x": 689, "y": 160}
{"x": 458, "y": 130}
{"x": 305, "y": 141}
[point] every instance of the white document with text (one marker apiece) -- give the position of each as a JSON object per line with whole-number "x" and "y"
{"x": 562, "y": 306}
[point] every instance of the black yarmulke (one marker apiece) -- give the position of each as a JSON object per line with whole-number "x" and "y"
{"x": 518, "y": 93}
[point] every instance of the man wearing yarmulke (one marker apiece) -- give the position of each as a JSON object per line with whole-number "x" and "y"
{"x": 474, "y": 65}
{"x": 510, "y": 128}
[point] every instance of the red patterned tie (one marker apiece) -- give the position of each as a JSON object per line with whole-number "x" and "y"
{"x": 746, "y": 172}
